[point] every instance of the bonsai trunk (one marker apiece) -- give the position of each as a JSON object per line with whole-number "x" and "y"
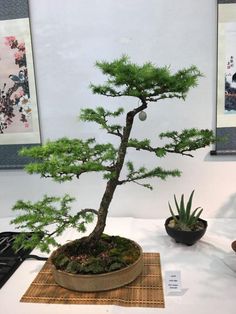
{"x": 112, "y": 184}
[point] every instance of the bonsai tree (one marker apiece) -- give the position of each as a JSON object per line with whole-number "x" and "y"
{"x": 66, "y": 159}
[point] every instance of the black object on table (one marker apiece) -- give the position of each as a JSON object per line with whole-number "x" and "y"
{"x": 10, "y": 260}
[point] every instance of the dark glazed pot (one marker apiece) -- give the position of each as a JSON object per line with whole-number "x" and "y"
{"x": 185, "y": 237}
{"x": 233, "y": 245}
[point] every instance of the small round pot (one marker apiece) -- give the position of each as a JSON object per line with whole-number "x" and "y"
{"x": 185, "y": 237}
{"x": 98, "y": 282}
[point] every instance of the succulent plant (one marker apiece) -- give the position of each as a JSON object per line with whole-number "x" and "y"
{"x": 185, "y": 219}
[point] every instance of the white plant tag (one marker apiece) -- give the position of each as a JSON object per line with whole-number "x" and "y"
{"x": 173, "y": 281}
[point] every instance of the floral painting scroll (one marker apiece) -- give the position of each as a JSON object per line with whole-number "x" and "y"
{"x": 19, "y": 121}
{"x": 226, "y": 78}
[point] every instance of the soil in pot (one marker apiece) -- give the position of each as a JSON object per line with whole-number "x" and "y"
{"x": 186, "y": 237}
{"x": 112, "y": 263}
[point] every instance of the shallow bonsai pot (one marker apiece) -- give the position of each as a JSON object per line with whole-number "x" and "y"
{"x": 98, "y": 282}
{"x": 185, "y": 237}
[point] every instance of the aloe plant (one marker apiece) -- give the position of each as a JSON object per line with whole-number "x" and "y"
{"x": 186, "y": 219}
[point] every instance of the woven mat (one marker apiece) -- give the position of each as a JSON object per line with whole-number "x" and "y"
{"x": 145, "y": 291}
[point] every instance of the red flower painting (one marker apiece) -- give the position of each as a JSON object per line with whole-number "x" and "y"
{"x": 15, "y": 104}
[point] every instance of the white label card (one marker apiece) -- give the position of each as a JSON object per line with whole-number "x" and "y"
{"x": 173, "y": 281}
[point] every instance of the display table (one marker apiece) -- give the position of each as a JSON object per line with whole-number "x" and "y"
{"x": 208, "y": 270}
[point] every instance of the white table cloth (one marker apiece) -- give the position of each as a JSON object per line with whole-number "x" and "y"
{"x": 208, "y": 271}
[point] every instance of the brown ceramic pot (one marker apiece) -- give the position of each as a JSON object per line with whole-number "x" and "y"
{"x": 99, "y": 282}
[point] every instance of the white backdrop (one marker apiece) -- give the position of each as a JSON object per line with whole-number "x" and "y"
{"x": 68, "y": 37}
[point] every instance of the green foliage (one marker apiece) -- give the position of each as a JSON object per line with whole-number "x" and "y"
{"x": 100, "y": 116}
{"x": 145, "y": 82}
{"x": 187, "y": 140}
{"x": 179, "y": 142}
{"x": 142, "y": 173}
{"x": 139, "y": 145}
{"x": 37, "y": 217}
{"x": 22, "y": 241}
{"x": 186, "y": 219}
{"x": 66, "y": 158}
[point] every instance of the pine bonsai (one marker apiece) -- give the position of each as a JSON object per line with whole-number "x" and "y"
{"x": 66, "y": 159}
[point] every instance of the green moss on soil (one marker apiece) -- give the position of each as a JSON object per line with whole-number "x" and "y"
{"x": 111, "y": 253}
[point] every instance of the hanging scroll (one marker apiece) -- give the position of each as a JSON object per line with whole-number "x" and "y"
{"x": 19, "y": 122}
{"x": 226, "y": 78}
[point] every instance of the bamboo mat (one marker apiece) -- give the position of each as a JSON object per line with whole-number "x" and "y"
{"x": 145, "y": 291}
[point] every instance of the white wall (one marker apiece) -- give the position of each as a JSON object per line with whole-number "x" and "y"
{"x": 68, "y": 37}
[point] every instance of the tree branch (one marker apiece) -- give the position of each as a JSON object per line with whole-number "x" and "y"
{"x": 87, "y": 210}
{"x": 151, "y": 98}
{"x": 117, "y": 133}
{"x": 145, "y": 185}
{"x": 142, "y": 173}
{"x": 157, "y": 149}
{"x": 181, "y": 142}
{"x": 62, "y": 226}
{"x": 100, "y": 115}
